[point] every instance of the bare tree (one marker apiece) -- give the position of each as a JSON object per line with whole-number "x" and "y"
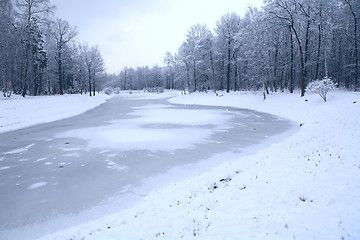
{"x": 170, "y": 63}
{"x": 63, "y": 33}
{"x": 197, "y": 48}
{"x": 286, "y": 11}
{"x": 226, "y": 29}
{"x": 94, "y": 65}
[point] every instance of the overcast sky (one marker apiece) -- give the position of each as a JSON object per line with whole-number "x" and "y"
{"x": 138, "y": 32}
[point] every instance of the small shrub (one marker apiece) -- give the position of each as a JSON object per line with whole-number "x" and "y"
{"x": 110, "y": 90}
{"x": 154, "y": 90}
{"x": 321, "y": 87}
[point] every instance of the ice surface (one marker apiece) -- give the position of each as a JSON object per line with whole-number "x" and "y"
{"x": 40, "y": 160}
{"x": 179, "y": 116}
{"x": 175, "y": 127}
{"x": 20, "y": 150}
{"x": 116, "y": 136}
{"x": 37, "y": 185}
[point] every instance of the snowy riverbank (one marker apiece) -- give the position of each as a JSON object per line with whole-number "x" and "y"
{"x": 304, "y": 187}
{"x": 17, "y": 112}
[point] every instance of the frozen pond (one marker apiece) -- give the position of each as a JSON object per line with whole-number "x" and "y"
{"x": 63, "y": 173}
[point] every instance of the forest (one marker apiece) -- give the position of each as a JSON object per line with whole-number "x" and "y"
{"x": 281, "y": 47}
{"x": 39, "y": 53}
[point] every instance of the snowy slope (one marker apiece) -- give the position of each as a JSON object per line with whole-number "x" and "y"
{"x": 304, "y": 187}
{"x": 17, "y": 112}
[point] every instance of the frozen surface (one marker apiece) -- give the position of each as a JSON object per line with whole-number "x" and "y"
{"x": 37, "y": 185}
{"x": 64, "y": 173}
{"x": 153, "y": 126}
{"x": 178, "y": 116}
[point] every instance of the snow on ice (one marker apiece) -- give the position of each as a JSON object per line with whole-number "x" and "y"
{"x": 37, "y": 185}
{"x": 139, "y": 136}
{"x": 19, "y": 150}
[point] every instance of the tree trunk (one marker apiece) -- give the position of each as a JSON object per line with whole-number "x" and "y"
{"x": 236, "y": 75}
{"x": 302, "y": 80}
{"x": 188, "y": 78}
{"x": 61, "y": 91}
{"x": 318, "y": 54}
{"x": 94, "y": 85}
{"x": 36, "y": 80}
{"x": 356, "y": 54}
{"x": 291, "y": 63}
{"x": 194, "y": 74}
{"x": 228, "y": 68}
{"x": 90, "y": 89}
{"x": 307, "y": 42}
{"x": 27, "y": 69}
{"x": 276, "y": 66}
{"x": 212, "y": 71}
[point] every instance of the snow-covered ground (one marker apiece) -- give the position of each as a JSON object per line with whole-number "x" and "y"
{"x": 305, "y": 187}
{"x": 17, "y": 112}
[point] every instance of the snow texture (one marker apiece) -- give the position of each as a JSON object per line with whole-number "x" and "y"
{"x": 305, "y": 187}
{"x": 139, "y": 137}
{"x": 17, "y": 112}
{"x": 37, "y": 185}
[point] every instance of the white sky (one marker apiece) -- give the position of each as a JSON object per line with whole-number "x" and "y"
{"x": 138, "y": 32}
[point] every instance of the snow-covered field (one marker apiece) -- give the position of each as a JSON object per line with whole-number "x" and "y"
{"x": 17, "y": 112}
{"x": 304, "y": 187}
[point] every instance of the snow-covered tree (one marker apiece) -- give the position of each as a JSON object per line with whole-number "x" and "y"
{"x": 63, "y": 33}
{"x": 7, "y": 41}
{"x": 94, "y": 65}
{"x": 34, "y": 14}
{"x": 226, "y": 30}
{"x": 322, "y": 87}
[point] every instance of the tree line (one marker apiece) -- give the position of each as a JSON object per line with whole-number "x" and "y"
{"x": 39, "y": 53}
{"x": 283, "y": 46}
